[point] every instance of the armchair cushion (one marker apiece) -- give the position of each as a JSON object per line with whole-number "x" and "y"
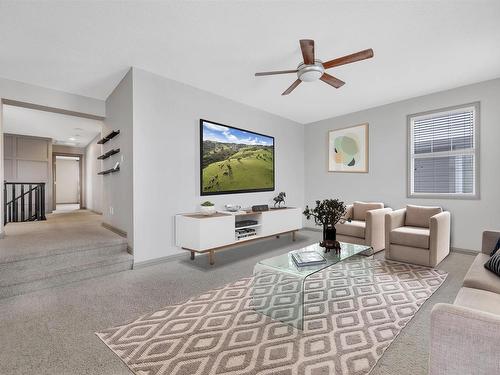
{"x": 480, "y": 278}
{"x": 360, "y": 208}
{"x": 411, "y": 236}
{"x": 420, "y": 216}
{"x": 355, "y": 228}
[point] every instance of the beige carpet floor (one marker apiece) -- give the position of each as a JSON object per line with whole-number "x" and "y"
{"x": 353, "y": 311}
{"x": 52, "y": 331}
{"x": 60, "y": 232}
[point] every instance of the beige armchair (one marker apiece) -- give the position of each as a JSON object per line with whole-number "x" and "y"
{"x": 418, "y": 235}
{"x": 366, "y": 226}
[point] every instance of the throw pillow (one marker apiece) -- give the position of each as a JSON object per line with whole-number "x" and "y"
{"x": 496, "y": 248}
{"x": 493, "y": 264}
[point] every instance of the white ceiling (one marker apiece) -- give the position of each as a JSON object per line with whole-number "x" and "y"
{"x": 63, "y": 129}
{"x": 420, "y": 47}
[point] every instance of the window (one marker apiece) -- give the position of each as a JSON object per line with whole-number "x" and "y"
{"x": 443, "y": 153}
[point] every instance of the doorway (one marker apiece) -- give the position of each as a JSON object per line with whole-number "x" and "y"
{"x": 68, "y": 191}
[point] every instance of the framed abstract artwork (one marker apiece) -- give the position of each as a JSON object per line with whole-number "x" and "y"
{"x": 348, "y": 149}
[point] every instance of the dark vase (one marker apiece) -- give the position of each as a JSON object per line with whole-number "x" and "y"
{"x": 329, "y": 233}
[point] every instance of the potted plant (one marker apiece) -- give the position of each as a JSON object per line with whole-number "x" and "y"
{"x": 327, "y": 213}
{"x": 207, "y": 208}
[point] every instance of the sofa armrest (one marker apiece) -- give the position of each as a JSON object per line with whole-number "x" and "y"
{"x": 490, "y": 239}
{"x": 439, "y": 245}
{"x": 463, "y": 341}
{"x": 375, "y": 228}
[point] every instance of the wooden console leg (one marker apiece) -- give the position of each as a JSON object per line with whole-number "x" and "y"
{"x": 293, "y": 236}
{"x": 192, "y": 255}
{"x": 211, "y": 257}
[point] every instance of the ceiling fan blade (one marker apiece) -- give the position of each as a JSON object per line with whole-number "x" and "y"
{"x": 362, "y": 55}
{"x": 307, "y": 47}
{"x": 275, "y": 72}
{"x": 292, "y": 87}
{"x": 332, "y": 81}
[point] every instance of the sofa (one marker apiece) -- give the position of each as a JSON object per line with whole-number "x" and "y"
{"x": 465, "y": 335}
{"x": 365, "y": 225}
{"x": 418, "y": 235}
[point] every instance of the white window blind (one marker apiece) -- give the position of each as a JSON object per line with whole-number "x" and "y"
{"x": 443, "y": 153}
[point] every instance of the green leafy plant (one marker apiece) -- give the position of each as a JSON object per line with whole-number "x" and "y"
{"x": 207, "y": 204}
{"x": 327, "y": 212}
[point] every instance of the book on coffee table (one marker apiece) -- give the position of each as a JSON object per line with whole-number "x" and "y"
{"x": 308, "y": 258}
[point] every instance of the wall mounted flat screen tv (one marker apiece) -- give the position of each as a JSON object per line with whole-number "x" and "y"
{"x": 234, "y": 160}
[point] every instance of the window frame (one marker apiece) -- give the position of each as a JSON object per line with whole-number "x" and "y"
{"x": 475, "y": 106}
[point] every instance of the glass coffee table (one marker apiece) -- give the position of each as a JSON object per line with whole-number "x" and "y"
{"x": 279, "y": 284}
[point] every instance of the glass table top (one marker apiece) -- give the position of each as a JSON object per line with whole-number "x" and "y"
{"x": 285, "y": 263}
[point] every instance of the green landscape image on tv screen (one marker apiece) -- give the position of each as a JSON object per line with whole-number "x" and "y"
{"x": 235, "y": 160}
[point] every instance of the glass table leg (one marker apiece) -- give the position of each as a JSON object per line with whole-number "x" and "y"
{"x": 278, "y": 295}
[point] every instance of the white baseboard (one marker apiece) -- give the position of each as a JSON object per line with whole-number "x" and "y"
{"x": 152, "y": 262}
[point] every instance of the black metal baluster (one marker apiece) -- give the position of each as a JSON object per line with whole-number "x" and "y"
{"x": 4, "y": 203}
{"x": 37, "y": 203}
{"x": 14, "y": 203}
{"x": 22, "y": 203}
{"x": 42, "y": 196}
{"x": 30, "y": 202}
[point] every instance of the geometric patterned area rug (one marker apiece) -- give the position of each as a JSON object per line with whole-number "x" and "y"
{"x": 354, "y": 311}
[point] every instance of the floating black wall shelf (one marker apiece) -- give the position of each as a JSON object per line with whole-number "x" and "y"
{"x": 108, "y": 154}
{"x": 108, "y": 171}
{"x": 111, "y": 135}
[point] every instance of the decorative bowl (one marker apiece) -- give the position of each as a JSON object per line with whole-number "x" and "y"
{"x": 232, "y": 207}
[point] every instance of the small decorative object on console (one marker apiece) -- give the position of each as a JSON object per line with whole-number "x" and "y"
{"x": 207, "y": 208}
{"x": 280, "y": 198}
{"x": 327, "y": 213}
{"x": 260, "y": 208}
{"x": 232, "y": 207}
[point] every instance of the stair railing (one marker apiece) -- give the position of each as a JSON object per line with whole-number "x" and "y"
{"x": 23, "y": 201}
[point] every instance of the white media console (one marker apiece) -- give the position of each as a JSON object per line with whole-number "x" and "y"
{"x": 198, "y": 233}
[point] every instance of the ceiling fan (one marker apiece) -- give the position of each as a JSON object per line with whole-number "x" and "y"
{"x": 312, "y": 69}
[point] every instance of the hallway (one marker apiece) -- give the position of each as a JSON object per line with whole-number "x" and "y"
{"x": 68, "y": 246}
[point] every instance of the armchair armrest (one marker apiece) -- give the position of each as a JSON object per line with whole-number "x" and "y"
{"x": 439, "y": 245}
{"x": 393, "y": 220}
{"x": 463, "y": 341}
{"x": 490, "y": 239}
{"x": 375, "y": 231}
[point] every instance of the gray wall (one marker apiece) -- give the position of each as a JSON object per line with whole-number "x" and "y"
{"x": 29, "y": 159}
{"x": 117, "y": 206}
{"x": 166, "y": 157}
{"x": 93, "y": 181}
{"x": 387, "y": 179}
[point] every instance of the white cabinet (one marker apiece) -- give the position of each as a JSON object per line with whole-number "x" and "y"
{"x": 280, "y": 221}
{"x": 199, "y": 234}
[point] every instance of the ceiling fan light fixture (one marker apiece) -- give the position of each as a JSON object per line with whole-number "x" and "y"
{"x": 309, "y": 73}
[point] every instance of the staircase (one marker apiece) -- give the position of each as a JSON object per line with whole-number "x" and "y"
{"x": 66, "y": 248}
{"x": 23, "y": 201}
